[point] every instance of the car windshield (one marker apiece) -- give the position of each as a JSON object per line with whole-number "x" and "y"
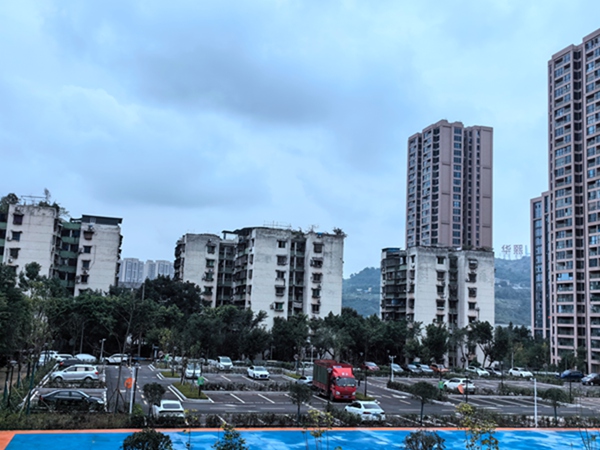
{"x": 260, "y": 369}
{"x": 171, "y": 405}
{"x": 225, "y": 359}
{"x": 371, "y": 406}
{"x": 193, "y": 366}
{"x": 347, "y": 382}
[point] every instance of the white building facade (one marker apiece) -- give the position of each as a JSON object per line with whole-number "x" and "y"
{"x": 279, "y": 271}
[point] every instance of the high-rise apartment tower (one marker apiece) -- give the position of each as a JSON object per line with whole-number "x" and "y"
{"x": 449, "y": 186}
{"x": 565, "y": 220}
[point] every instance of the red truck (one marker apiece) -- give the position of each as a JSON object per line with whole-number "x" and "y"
{"x": 334, "y": 379}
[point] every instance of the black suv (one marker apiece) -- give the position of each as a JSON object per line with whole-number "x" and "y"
{"x": 69, "y": 400}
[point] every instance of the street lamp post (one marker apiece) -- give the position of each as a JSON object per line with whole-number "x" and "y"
{"x": 102, "y": 350}
{"x": 392, "y": 368}
{"x": 535, "y": 411}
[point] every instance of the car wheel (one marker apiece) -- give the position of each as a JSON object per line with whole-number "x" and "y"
{"x": 58, "y": 379}
{"x": 87, "y": 379}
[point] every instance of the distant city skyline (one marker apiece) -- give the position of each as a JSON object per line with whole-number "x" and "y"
{"x": 192, "y": 116}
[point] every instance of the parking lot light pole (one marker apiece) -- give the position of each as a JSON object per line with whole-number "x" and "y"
{"x": 392, "y": 368}
{"x": 102, "y": 351}
{"x": 535, "y": 410}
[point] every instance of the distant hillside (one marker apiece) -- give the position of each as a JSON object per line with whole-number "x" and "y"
{"x": 512, "y": 291}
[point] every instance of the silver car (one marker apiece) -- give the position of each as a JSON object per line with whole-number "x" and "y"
{"x": 78, "y": 372}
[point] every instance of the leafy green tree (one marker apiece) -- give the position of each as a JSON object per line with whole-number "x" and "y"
{"x": 300, "y": 393}
{"x": 457, "y": 342}
{"x": 231, "y": 440}
{"x": 435, "y": 342}
{"x": 6, "y": 201}
{"x": 289, "y": 335}
{"x": 154, "y": 393}
{"x": 555, "y": 396}
{"x": 424, "y": 440}
{"x": 424, "y": 392}
{"x": 479, "y": 428}
{"x": 481, "y": 334}
{"x": 15, "y": 314}
{"x": 147, "y": 440}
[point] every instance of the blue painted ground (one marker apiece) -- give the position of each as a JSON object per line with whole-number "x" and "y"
{"x": 276, "y": 440}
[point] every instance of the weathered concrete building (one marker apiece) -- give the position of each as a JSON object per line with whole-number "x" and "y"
{"x": 83, "y": 253}
{"x": 279, "y": 271}
{"x": 438, "y": 285}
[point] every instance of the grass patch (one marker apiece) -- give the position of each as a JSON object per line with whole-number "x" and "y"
{"x": 190, "y": 390}
{"x": 169, "y": 374}
{"x": 364, "y": 398}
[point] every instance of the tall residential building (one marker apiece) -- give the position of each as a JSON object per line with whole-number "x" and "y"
{"x": 449, "y": 186}
{"x": 566, "y": 267}
{"x": 131, "y": 272}
{"x": 439, "y": 285}
{"x": 82, "y": 253}
{"x": 279, "y": 271}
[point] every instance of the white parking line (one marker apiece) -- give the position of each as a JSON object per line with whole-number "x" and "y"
{"x": 176, "y": 393}
{"x": 266, "y": 398}
{"x": 237, "y": 398}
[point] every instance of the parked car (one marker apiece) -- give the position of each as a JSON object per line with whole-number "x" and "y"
{"x": 305, "y": 379}
{"x": 370, "y": 366}
{"x": 168, "y": 408}
{"x": 458, "y": 384}
{"x": 396, "y": 368}
{"x": 68, "y": 363}
{"x": 477, "y": 371}
{"x": 258, "y": 373}
{"x": 494, "y": 371}
{"x": 47, "y": 356}
{"x": 117, "y": 358}
{"x": 63, "y": 356}
{"x": 86, "y": 357}
{"x": 78, "y": 372}
{"x": 439, "y": 368}
{"x": 367, "y": 411}
{"x": 224, "y": 363}
{"x": 193, "y": 370}
{"x": 593, "y": 379}
{"x": 414, "y": 369}
{"x": 520, "y": 372}
{"x": 69, "y": 399}
{"x": 425, "y": 369}
{"x": 571, "y": 375}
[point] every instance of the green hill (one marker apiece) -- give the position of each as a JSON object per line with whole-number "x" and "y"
{"x": 512, "y": 291}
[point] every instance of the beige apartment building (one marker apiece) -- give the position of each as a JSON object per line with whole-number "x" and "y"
{"x": 565, "y": 220}
{"x": 449, "y": 186}
{"x": 276, "y": 270}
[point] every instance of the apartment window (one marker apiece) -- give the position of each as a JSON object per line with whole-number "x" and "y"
{"x": 316, "y": 262}
{"x": 315, "y": 309}
{"x": 208, "y": 290}
{"x": 17, "y": 219}
{"x": 84, "y": 279}
{"x": 472, "y": 278}
{"x": 439, "y": 318}
{"x": 250, "y": 274}
{"x": 14, "y": 253}
{"x": 16, "y": 235}
{"x": 281, "y": 244}
{"x": 280, "y": 274}
{"x": 279, "y": 291}
{"x": 85, "y": 264}
{"x": 317, "y": 277}
{"x": 472, "y": 292}
{"x": 251, "y": 259}
{"x": 440, "y": 260}
{"x": 210, "y": 263}
{"x": 281, "y": 260}
{"x": 208, "y": 276}
{"x": 472, "y": 305}
{"x": 316, "y": 293}
{"x": 210, "y": 248}
{"x": 87, "y": 249}
{"x": 440, "y": 290}
{"x": 318, "y": 247}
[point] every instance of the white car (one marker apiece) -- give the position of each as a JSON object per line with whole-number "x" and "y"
{"x": 168, "y": 408}
{"x": 193, "y": 370}
{"x": 396, "y": 368}
{"x": 117, "y": 358}
{"x": 258, "y": 373}
{"x": 367, "y": 411}
{"x": 305, "y": 379}
{"x": 477, "y": 371}
{"x": 85, "y": 357}
{"x": 224, "y": 363}
{"x": 520, "y": 372}
{"x": 62, "y": 356}
{"x": 78, "y": 372}
{"x": 458, "y": 384}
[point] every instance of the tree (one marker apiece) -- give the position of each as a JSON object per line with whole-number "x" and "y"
{"x": 300, "y": 393}
{"x": 555, "y": 396}
{"x": 154, "y": 393}
{"x": 479, "y": 428}
{"x": 425, "y": 392}
{"x": 435, "y": 342}
{"x": 231, "y": 440}
{"x": 482, "y": 334}
{"x": 424, "y": 440}
{"x": 147, "y": 440}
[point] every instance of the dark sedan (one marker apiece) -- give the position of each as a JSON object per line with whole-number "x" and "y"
{"x": 571, "y": 375}
{"x": 69, "y": 400}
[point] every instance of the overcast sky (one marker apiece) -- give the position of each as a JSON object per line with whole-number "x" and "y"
{"x": 202, "y": 116}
